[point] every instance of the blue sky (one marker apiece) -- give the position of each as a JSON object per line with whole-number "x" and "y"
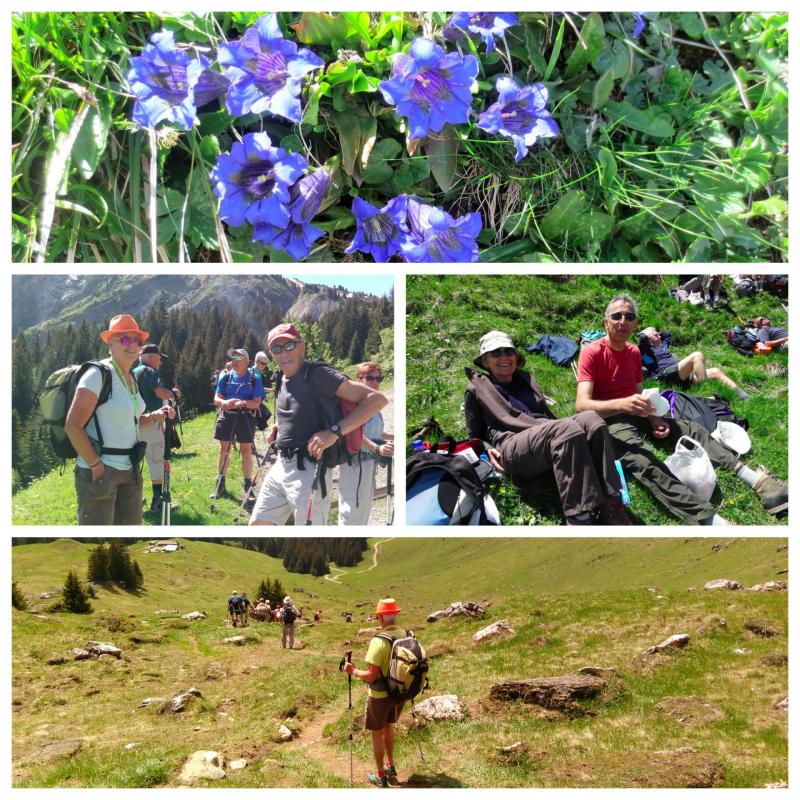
{"x": 372, "y": 284}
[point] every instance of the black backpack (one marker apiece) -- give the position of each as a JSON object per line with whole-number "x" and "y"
{"x": 288, "y": 615}
{"x": 56, "y": 397}
{"x": 742, "y": 339}
{"x": 707, "y": 411}
{"x": 724, "y": 413}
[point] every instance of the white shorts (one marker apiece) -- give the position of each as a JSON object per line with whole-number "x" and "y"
{"x": 285, "y": 493}
{"x": 355, "y": 499}
{"x": 154, "y": 455}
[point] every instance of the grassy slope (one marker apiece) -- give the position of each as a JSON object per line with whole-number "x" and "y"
{"x": 447, "y": 315}
{"x": 51, "y": 500}
{"x": 572, "y": 602}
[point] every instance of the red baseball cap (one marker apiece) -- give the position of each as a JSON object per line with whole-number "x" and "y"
{"x": 283, "y": 331}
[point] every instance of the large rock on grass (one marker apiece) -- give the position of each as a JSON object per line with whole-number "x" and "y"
{"x": 722, "y": 583}
{"x": 180, "y": 702}
{"x": 493, "y": 631}
{"x": 769, "y": 586}
{"x": 97, "y": 649}
{"x": 193, "y": 615}
{"x": 283, "y": 734}
{"x": 203, "y": 765}
{"x": 558, "y": 693}
{"x": 675, "y": 642}
{"x": 237, "y": 640}
{"x": 440, "y": 707}
{"x": 459, "y": 609}
{"x": 52, "y": 751}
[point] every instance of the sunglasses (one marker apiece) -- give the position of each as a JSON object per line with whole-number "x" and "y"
{"x": 126, "y": 340}
{"x": 502, "y": 351}
{"x": 630, "y": 316}
{"x": 277, "y": 349}
{"x": 237, "y": 358}
{"x": 373, "y": 378}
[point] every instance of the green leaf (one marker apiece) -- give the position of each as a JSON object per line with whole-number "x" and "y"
{"x": 602, "y": 89}
{"x": 654, "y": 124}
{"x": 616, "y": 59}
{"x": 557, "y": 221}
{"x": 442, "y": 153}
{"x": 593, "y": 36}
{"x": 356, "y": 136}
{"x": 556, "y": 52}
{"x": 573, "y": 128}
{"x": 592, "y": 226}
{"x": 320, "y": 28}
{"x": 378, "y": 170}
{"x": 533, "y": 48}
{"x": 608, "y": 167}
{"x": 214, "y": 122}
{"x": 774, "y": 207}
{"x": 752, "y": 163}
{"x": 359, "y": 23}
{"x": 62, "y": 117}
{"x": 92, "y": 139}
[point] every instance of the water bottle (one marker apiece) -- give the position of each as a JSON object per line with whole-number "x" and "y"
{"x": 624, "y": 494}
{"x": 417, "y": 446}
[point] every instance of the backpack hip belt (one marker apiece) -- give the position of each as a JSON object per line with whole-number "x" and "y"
{"x": 290, "y": 452}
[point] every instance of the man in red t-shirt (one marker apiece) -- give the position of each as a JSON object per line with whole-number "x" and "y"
{"x": 610, "y": 383}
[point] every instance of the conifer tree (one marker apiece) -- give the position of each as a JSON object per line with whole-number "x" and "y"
{"x": 74, "y": 597}
{"x": 97, "y": 569}
{"x": 17, "y": 598}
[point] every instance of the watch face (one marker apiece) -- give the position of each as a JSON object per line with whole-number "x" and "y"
{"x": 335, "y": 428}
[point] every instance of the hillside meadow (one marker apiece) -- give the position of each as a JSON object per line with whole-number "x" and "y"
{"x": 571, "y": 602}
{"x": 446, "y": 315}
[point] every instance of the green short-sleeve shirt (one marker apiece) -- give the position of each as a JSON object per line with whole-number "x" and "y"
{"x": 379, "y": 653}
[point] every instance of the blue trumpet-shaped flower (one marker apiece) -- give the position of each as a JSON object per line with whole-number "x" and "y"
{"x": 640, "y": 23}
{"x": 430, "y": 87}
{"x": 381, "y": 232}
{"x": 521, "y": 114}
{"x": 170, "y": 85}
{"x": 305, "y": 198}
{"x": 266, "y": 71}
{"x": 484, "y": 24}
{"x": 438, "y": 237}
{"x": 253, "y": 181}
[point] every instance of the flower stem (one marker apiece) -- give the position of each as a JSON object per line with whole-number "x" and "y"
{"x": 153, "y": 178}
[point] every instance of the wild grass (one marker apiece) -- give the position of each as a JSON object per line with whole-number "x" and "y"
{"x": 447, "y": 315}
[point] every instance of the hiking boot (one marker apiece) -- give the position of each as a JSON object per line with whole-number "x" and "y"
{"x": 612, "y": 512}
{"x": 378, "y": 780}
{"x": 219, "y": 490}
{"x": 391, "y": 774}
{"x": 771, "y": 490}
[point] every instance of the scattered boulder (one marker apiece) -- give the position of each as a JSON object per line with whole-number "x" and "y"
{"x": 782, "y": 705}
{"x": 214, "y": 671}
{"x": 769, "y": 586}
{"x": 79, "y": 654}
{"x": 237, "y": 640}
{"x": 97, "y": 649}
{"x": 742, "y": 651}
{"x": 674, "y": 642}
{"x": 167, "y": 611}
{"x": 777, "y": 785}
{"x": 203, "y": 765}
{"x": 775, "y": 660}
{"x": 513, "y": 754}
{"x": 599, "y": 672}
{"x": 557, "y": 693}
{"x": 55, "y": 659}
{"x": 132, "y": 745}
{"x": 51, "y": 751}
{"x": 722, "y": 583}
{"x": 691, "y": 710}
{"x": 441, "y": 707}
{"x": 459, "y": 609}
{"x": 499, "y": 628}
{"x": 283, "y": 734}
{"x": 192, "y": 615}
{"x": 239, "y": 763}
{"x": 761, "y": 628}
{"x": 180, "y": 702}
{"x": 152, "y": 701}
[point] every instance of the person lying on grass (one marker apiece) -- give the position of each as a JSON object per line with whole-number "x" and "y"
{"x": 663, "y": 365}
{"x": 506, "y": 407}
{"x": 610, "y": 383}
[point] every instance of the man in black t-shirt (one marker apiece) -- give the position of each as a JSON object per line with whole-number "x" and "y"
{"x": 154, "y": 396}
{"x": 304, "y": 429}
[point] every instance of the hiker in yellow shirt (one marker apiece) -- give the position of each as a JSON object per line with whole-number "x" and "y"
{"x": 382, "y": 711}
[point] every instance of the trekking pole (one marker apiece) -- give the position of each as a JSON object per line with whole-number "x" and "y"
{"x": 419, "y": 744}
{"x": 166, "y": 498}
{"x": 183, "y": 439}
{"x": 389, "y": 493}
{"x": 348, "y": 657}
{"x": 221, "y": 476}
{"x": 314, "y": 487}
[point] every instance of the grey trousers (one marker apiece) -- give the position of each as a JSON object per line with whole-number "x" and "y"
{"x": 643, "y": 465}
{"x": 577, "y": 450}
{"x": 287, "y": 635}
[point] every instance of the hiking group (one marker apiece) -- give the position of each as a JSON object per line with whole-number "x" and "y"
{"x": 589, "y": 454}
{"x": 240, "y": 609}
{"x": 113, "y": 414}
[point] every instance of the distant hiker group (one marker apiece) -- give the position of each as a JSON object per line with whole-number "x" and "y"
{"x": 113, "y": 417}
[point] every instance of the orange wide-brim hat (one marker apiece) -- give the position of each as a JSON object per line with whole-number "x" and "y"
{"x": 123, "y": 323}
{"x": 387, "y": 606}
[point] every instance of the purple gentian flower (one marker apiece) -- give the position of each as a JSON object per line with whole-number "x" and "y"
{"x": 641, "y": 23}
{"x": 305, "y": 199}
{"x": 436, "y": 236}
{"x": 430, "y": 87}
{"x": 521, "y": 114}
{"x": 485, "y": 24}
{"x": 170, "y": 85}
{"x": 381, "y": 232}
{"x": 253, "y": 181}
{"x": 266, "y": 71}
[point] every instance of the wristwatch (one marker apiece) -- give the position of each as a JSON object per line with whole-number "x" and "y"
{"x": 337, "y": 430}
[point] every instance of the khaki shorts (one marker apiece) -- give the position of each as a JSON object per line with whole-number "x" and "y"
{"x": 285, "y": 493}
{"x": 382, "y": 711}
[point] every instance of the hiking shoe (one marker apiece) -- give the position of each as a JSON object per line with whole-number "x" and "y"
{"x": 378, "y": 780}
{"x": 391, "y": 774}
{"x": 771, "y": 490}
{"x": 612, "y": 512}
{"x": 219, "y": 490}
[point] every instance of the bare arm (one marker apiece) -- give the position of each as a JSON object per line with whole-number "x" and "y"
{"x": 368, "y": 675}
{"x": 83, "y": 405}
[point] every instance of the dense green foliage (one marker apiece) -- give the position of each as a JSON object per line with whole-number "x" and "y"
{"x": 673, "y": 144}
{"x": 447, "y": 315}
{"x": 74, "y": 597}
{"x": 17, "y": 598}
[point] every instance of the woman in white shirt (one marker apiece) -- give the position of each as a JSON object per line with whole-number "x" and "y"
{"x": 106, "y": 437}
{"x": 357, "y": 480}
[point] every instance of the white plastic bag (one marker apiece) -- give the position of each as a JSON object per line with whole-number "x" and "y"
{"x": 691, "y": 465}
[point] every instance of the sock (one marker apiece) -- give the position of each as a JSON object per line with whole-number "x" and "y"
{"x": 741, "y": 393}
{"x": 747, "y": 475}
